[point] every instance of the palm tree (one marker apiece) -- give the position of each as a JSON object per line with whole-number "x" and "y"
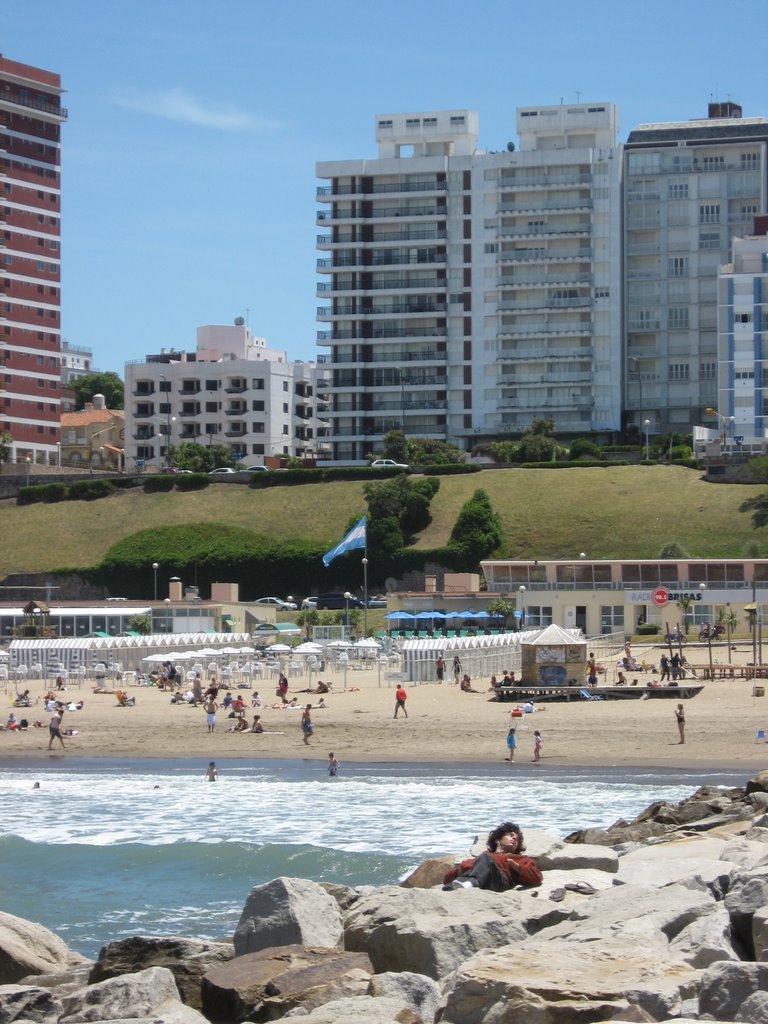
{"x": 730, "y": 620}
{"x": 502, "y": 606}
{"x": 684, "y": 602}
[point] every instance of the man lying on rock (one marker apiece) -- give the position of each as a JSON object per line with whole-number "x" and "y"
{"x": 500, "y": 868}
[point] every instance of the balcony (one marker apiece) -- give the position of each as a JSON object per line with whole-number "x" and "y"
{"x": 536, "y": 231}
{"x": 380, "y": 187}
{"x": 541, "y": 255}
{"x": 143, "y": 435}
{"x": 544, "y": 331}
{"x": 552, "y": 277}
{"x": 237, "y": 387}
{"x": 385, "y": 331}
{"x": 545, "y": 181}
{"x": 238, "y": 409}
{"x": 189, "y": 387}
{"x": 544, "y": 206}
{"x": 143, "y": 390}
{"x": 190, "y": 410}
{"x": 525, "y": 354}
{"x": 235, "y": 431}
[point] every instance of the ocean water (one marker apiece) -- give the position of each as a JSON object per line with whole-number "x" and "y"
{"x": 104, "y": 850}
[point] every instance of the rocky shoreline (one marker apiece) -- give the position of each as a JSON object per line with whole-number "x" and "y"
{"x": 661, "y": 918}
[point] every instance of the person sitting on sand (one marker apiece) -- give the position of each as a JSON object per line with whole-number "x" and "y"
{"x": 258, "y": 725}
{"x": 240, "y": 726}
{"x": 466, "y": 685}
{"x": 621, "y": 679}
{"x": 323, "y": 687}
{"x": 321, "y": 705}
{"x": 60, "y": 683}
{"x": 501, "y": 867}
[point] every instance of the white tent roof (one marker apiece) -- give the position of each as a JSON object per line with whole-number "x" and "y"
{"x": 557, "y": 636}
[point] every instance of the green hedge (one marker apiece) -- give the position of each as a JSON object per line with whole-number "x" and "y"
{"x": 90, "y": 490}
{"x": 448, "y": 469}
{"x": 590, "y": 464}
{"x": 161, "y": 482}
{"x": 192, "y": 481}
{"x": 47, "y": 493}
{"x": 647, "y": 629}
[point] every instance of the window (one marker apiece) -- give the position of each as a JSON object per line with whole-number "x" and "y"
{"x": 285, "y": 385}
{"x": 457, "y": 121}
{"x": 489, "y": 247}
{"x": 257, "y": 383}
{"x": 709, "y": 213}
{"x": 612, "y": 618}
{"x": 750, "y": 161}
{"x": 677, "y": 266}
{"x": 744, "y": 375}
{"x": 678, "y": 190}
{"x": 712, "y": 163}
{"x": 285, "y": 408}
{"x": 678, "y": 371}
{"x": 412, "y": 122}
{"x": 742, "y": 318}
{"x": 708, "y": 371}
{"x": 211, "y": 385}
{"x": 385, "y": 124}
{"x": 257, "y": 405}
{"x": 258, "y": 428}
{"x": 677, "y": 318}
{"x": 709, "y": 239}
{"x": 538, "y": 615}
{"x": 286, "y": 429}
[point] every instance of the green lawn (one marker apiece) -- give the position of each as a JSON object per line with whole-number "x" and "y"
{"x": 628, "y": 511}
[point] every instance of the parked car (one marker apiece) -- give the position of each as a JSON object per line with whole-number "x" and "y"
{"x": 388, "y": 464}
{"x": 333, "y": 602}
{"x": 221, "y": 471}
{"x": 277, "y": 602}
{"x": 309, "y": 603}
{"x": 379, "y": 601}
{"x": 254, "y": 469}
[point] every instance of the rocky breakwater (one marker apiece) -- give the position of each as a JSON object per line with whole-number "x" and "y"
{"x": 660, "y": 918}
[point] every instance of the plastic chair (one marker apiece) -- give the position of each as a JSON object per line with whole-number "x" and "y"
{"x": 760, "y": 736}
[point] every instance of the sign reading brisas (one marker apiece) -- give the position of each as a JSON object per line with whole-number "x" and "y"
{"x": 662, "y": 596}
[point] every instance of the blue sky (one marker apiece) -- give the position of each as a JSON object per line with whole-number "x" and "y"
{"x": 189, "y": 154}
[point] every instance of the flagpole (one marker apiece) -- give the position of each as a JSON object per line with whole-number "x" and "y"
{"x": 365, "y": 588}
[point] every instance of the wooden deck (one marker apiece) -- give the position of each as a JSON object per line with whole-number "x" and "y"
{"x": 730, "y": 671}
{"x": 545, "y": 694}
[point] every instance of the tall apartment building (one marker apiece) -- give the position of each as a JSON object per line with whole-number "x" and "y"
{"x": 31, "y": 116}
{"x": 232, "y": 390}
{"x": 470, "y": 293}
{"x": 741, "y": 408}
{"x": 689, "y": 188}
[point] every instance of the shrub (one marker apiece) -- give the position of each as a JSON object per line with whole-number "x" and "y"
{"x": 192, "y": 481}
{"x": 477, "y": 531}
{"x": 47, "y": 493}
{"x": 582, "y": 447}
{"x": 90, "y": 490}
{"x": 161, "y": 482}
{"x": 647, "y": 629}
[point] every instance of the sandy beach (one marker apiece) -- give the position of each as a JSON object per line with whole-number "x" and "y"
{"x": 444, "y": 725}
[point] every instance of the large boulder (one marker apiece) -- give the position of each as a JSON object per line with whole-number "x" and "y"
{"x": 28, "y": 948}
{"x": 150, "y": 993}
{"x": 419, "y": 993}
{"x": 747, "y": 893}
{"x": 566, "y": 983}
{"x": 187, "y": 959}
{"x": 362, "y": 1010}
{"x": 269, "y": 983}
{"x": 760, "y": 933}
{"x": 735, "y": 991}
{"x": 706, "y": 940}
{"x": 675, "y": 861}
{"x": 430, "y": 872}
{"x": 431, "y": 932}
{"x": 578, "y": 857}
{"x": 29, "y": 1003}
{"x": 758, "y": 783}
{"x": 286, "y": 912}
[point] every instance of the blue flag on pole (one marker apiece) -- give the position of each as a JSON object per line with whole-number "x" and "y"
{"x": 354, "y": 539}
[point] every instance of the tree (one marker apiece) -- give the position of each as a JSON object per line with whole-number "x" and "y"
{"x": 395, "y": 446}
{"x": 582, "y": 447}
{"x": 424, "y": 451}
{"x": 538, "y": 443}
{"x": 684, "y": 603}
{"x": 758, "y": 507}
{"x": 141, "y": 623}
{"x": 199, "y": 458}
{"x": 727, "y": 617}
{"x": 502, "y": 606}
{"x": 5, "y": 446}
{"x": 477, "y": 531}
{"x": 107, "y": 384}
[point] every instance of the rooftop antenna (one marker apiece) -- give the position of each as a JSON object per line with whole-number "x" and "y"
{"x": 578, "y": 96}
{"x": 247, "y": 317}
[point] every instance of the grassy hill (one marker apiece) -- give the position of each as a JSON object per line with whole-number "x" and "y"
{"x": 625, "y": 511}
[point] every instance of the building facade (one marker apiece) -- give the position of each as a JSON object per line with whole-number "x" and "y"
{"x": 689, "y": 189}
{"x": 93, "y": 438}
{"x": 469, "y": 293}
{"x": 31, "y": 116}
{"x": 233, "y": 391}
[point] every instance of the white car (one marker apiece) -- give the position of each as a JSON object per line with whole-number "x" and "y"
{"x": 277, "y": 602}
{"x": 388, "y": 464}
{"x": 254, "y": 469}
{"x": 309, "y": 604}
{"x": 221, "y": 471}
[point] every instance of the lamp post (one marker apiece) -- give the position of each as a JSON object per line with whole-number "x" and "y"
{"x": 28, "y": 463}
{"x": 632, "y": 359}
{"x": 58, "y": 454}
{"x": 647, "y": 425}
{"x": 155, "y": 567}
{"x": 167, "y": 603}
{"x": 521, "y": 591}
{"x": 702, "y": 588}
{"x": 365, "y": 597}
{"x": 725, "y": 422}
{"x": 347, "y": 599}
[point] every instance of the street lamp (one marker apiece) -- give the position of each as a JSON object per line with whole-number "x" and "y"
{"x": 702, "y": 588}
{"x": 365, "y": 597}
{"x": 647, "y": 425}
{"x": 58, "y": 454}
{"x": 632, "y": 359}
{"x": 167, "y": 603}
{"x": 155, "y": 567}
{"x": 28, "y": 462}
{"x": 521, "y": 590}
{"x": 725, "y": 422}
{"x": 347, "y": 599}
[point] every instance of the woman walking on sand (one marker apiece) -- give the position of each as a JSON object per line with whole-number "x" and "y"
{"x": 306, "y": 724}
{"x": 680, "y": 716}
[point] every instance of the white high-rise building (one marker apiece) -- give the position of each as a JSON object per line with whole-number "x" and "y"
{"x": 690, "y": 188}
{"x": 233, "y": 391}
{"x": 469, "y": 293}
{"x": 741, "y": 409}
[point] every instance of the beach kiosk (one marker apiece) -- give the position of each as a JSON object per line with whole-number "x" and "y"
{"x": 553, "y": 657}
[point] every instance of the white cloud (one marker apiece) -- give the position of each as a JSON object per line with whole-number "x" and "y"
{"x": 178, "y": 105}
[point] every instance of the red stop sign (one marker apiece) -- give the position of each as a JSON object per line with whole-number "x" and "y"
{"x": 660, "y": 596}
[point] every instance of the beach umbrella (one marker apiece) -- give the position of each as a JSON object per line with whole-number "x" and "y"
{"x": 455, "y": 615}
{"x": 482, "y": 615}
{"x": 229, "y": 650}
{"x": 339, "y": 644}
{"x": 369, "y": 642}
{"x": 310, "y": 647}
{"x": 279, "y": 648}
{"x": 399, "y": 615}
{"x": 247, "y": 650}
{"x": 206, "y": 652}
